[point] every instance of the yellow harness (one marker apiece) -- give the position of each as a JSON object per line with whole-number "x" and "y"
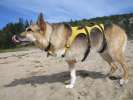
{"x": 76, "y": 32}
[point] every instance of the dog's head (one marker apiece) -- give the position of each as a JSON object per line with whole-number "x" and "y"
{"x": 33, "y": 33}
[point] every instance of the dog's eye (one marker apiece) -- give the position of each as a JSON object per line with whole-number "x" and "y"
{"x": 29, "y": 30}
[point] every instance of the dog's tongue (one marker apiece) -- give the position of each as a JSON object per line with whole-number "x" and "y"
{"x": 15, "y": 39}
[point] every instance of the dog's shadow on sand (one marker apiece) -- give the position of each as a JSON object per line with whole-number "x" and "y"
{"x": 57, "y": 77}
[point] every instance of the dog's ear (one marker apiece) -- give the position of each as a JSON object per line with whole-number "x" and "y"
{"x": 41, "y": 22}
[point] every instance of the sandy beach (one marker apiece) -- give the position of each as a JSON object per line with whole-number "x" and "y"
{"x": 30, "y": 75}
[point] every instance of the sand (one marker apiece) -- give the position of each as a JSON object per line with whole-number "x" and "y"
{"x": 30, "y": 75}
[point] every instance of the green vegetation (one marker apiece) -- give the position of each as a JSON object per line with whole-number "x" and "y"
{"x": 6, "y": 33}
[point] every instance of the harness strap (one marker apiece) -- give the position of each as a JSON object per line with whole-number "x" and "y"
{"x": 104, "y": 42}
{"x": 89, "y": 45}
{"x": 75, "y": 33}
{"x": 88, "y": 31}
{"x": 85, "y": 30}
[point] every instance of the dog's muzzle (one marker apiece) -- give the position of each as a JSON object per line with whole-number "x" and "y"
{"x": 16, "y": 39}
{"x": 20, "y": 40}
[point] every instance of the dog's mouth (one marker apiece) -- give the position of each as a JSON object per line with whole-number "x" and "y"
{"x": 20, "y": 40}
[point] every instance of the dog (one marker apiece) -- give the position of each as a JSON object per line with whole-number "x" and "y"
{"x": 109, "y": 40}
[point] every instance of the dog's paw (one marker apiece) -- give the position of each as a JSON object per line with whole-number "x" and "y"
{"x": 69, "y": 86}
{"x": 122, "y": 81}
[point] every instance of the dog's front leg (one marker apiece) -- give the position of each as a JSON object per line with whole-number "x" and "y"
{"x": 72, "y": 69}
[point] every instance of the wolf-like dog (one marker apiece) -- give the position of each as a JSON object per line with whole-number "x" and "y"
{"x": 110, "y": 44}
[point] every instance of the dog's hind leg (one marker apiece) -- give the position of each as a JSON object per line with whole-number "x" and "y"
{"x": 105, "y": 55}
{"x": 121, "y": 60}
{"x": 72, "y": 69}
{"x": 113, "y": 68}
